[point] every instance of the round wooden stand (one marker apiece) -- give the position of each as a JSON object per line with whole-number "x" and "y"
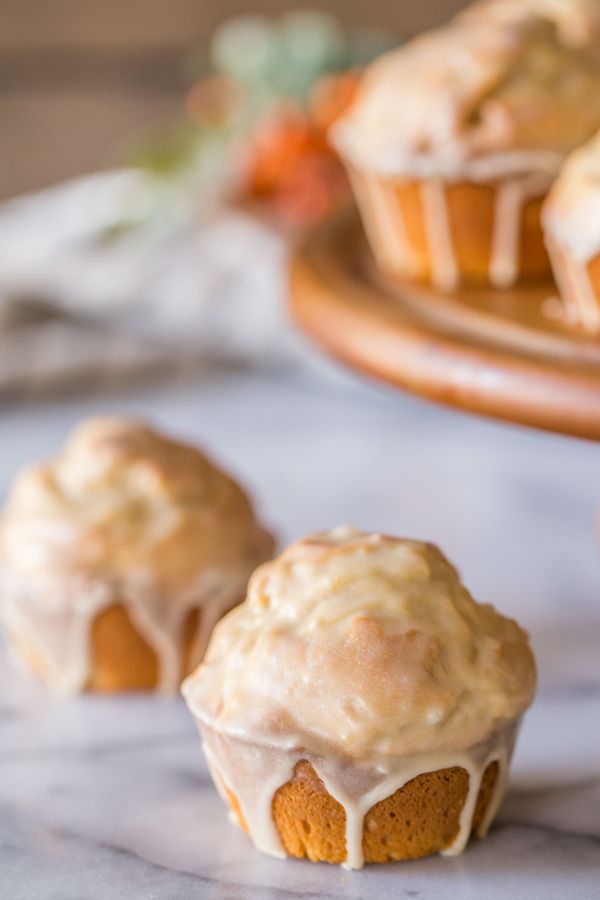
{"x": 505, "y": 354}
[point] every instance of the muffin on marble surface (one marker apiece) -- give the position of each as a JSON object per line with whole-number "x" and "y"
{"x": 571, "y": 217}
{"x": 360, "y": 706}
{"x": 455, "y": 138}
{"x": 118, "y": 557}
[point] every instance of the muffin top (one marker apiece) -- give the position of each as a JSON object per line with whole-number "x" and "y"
{"x": 509, "y": 86}
{"x": 571, "y": 212}
{"x": 366, "y": 644}
{"x": 122, "y": 500}
{"x": 578, "y": 21}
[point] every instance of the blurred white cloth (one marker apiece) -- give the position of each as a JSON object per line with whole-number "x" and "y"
{"x": 79, "y": 297}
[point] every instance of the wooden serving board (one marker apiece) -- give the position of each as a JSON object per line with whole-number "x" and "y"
{"x": 505, "y": 354}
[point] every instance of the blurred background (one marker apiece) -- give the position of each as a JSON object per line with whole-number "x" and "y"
{"x": 167, "y": 154}
{"x": 80, "y": 78}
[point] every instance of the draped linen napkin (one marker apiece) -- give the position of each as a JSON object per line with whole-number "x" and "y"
{"x": 84, "y": 294}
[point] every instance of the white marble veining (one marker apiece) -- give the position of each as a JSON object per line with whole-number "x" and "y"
{"x": 110, "y": 798}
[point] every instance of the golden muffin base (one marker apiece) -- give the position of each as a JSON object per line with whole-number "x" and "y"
{"x": 418, "y": 820}
{"x": 396, "y": 221}
{"x": 120, "y": 659}
{"x": 579, "y": 285}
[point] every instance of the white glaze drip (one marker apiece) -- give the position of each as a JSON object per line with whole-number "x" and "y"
{"x": 582, "y": 297}
{"x": 388, "y": 215}
{"x": 55, "y": 621}
{"x": 379, "y": 236}
{"x": 511, "y": 197}
{"x": 571, "y": 213}
{"x": 254, "y": 773}
{"x": 499, "y": 89}
{"x": 387, "y": 229}
{"x": 444, "y": 266}
{"x": 576, "y": 289}
{"x": 504, "y": 259}
{"x": 556, "y": 310}
{"x": 364, "y": 655}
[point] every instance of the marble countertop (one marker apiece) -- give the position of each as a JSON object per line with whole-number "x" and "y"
{"x": 110, "y": 798}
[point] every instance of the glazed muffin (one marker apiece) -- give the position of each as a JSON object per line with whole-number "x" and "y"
{"x": 118, "y": 557}
{"x": 571, "y": 217}
{"x": 578, "y": 21}
{"x": 360, "y": 706}
{"x": 455, "y": 139}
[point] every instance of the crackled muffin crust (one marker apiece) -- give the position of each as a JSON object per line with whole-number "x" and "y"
{"x": 118, "y": 556}
{"x": 358, "y": 681}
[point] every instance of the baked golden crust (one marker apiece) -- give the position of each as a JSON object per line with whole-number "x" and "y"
{"x": 593, "y": 271}
{"x": 123, "y": 497}
{"x": 418, "y": 820}
{"x": 504, "y": 88}
{"x": 479, "y": 116}
{"x": 401, "y": 240}
{"x": 117, "y": 558}
{"x": 121, "y": 658}
{"x": 578, "y": 21}
{"x": 363, "y": 642}
{"x": 361, "y": 664}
